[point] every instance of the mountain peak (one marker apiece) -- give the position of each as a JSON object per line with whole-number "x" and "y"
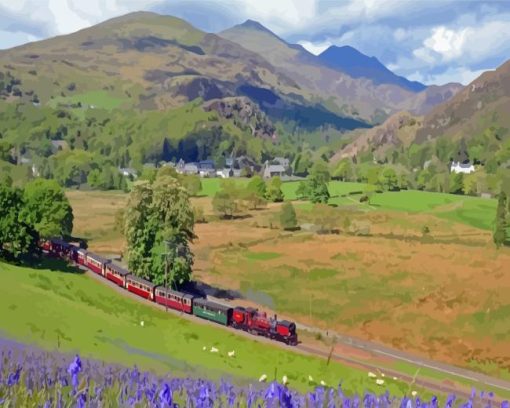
{"x": 358, "y": 65}
{"x": 255, "y": 26}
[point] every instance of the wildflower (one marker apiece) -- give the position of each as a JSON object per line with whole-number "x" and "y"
{"x": 382, "y": 374}
{"x": 414, "y": 393}
{"x": 214, "y": 350}
{"x": 323, "y": 383}
{"x": 263, "y": 378}
{"x": 231, "y": 353}
{"x": 142, "y": 323}
{"x": 379, "y": 381}
{"x": 13, "y": 378}
{"x": 165, "y": 395}
{"x": 285, "y": 380}
{"x": 204, "y": 348}
{"x": 310, "y": 378}
{"x": 505, "y": 404}
{"x": 395, "y": 378}
{"x": 371, "y": 374}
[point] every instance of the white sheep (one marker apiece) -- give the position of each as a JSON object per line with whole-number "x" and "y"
{"x": 371, "y": 374}
{"x": 263, "y": 378}
{"x": 379, "y": 381}
{"x": 231, "y": 353}
{"x": 214, "y": 350}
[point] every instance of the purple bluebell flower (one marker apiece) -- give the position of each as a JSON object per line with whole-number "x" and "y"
{"x": 505, "y": 404}
{"x": 13, "y": 378}
{"x": 165, "y": 396}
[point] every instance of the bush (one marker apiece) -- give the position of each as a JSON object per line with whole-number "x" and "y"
{"x": 198, "y": 213}
{"x": 288, "y": 219}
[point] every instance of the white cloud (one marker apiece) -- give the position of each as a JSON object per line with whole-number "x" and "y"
{"x": 315, "y": 48}
{"x": 448, "y": 43}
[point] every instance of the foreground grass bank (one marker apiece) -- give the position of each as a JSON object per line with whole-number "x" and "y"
{"x": 74, "y": 313}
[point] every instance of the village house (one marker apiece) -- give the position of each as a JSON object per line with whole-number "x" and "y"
{"x": 272, "y": 170}
{"x": 128, "y": 172}
{"x": 57, "y": 145}
{"x": 206, "y": 168}
{"x": 464, "y": 168}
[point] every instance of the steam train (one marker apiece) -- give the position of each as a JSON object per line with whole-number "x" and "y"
{"x": 247, "y": 319}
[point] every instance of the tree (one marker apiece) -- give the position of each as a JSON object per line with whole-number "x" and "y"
{"x": 302, "y": 192}
{"x": 456, "y": 183}
{"x": 500, "y": 234}
{"x": 288, "y": 219}
{"x": 156, "y": 213}
{"x": 17, "y": 237}
{"x": 274, "y": 190}
{"x": 388, "y": 179}
{"x": 318, "y": 190}
{"x": 320, "y": 171}
{"x": 47, "y": 208}
{"x": 255, "y": 192}
{"x": 191, "y": 183}
{"x": 226, "y": 201}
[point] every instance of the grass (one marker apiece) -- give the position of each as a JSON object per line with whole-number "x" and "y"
{"x": 99, "y": 99}
{"x": 474, "y": 211}
{"x": 49, "y": 307}
{"x": 262, "y": 256}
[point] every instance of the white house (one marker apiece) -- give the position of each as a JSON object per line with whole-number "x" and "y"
{"x": 465, "y": 168}
{"x": 271, "y": 170}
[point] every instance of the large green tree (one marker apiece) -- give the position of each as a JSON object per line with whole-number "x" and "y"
{"x": 17, "y": 237}
{"x": 274, "y": 190}
{"x": 159, "y": 213}
{"x": 47, "y": 208}
{"x": 255, "y": 192}
{"x": 288, "y": 219}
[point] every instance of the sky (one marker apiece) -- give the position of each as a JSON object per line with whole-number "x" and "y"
{"x": 432, "y": 41}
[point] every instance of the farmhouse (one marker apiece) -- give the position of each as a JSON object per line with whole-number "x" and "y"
{"x": 128, "y": 172}
{"x": 272, "y": 170}
{"x": 465, "y": 168}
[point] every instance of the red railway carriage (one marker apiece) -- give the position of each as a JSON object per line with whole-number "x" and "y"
{"x": 96, "y": 263}
{"x": 140, "y": 287}
{"x": 174, "y": 299}
{"x": 116, "y": 274}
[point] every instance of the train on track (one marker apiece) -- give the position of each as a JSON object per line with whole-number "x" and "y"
{"x": 247, "y": 319}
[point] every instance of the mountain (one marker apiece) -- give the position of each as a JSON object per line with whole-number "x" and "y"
{"x": 476, "y": 117}
{"x": 358, "y": 65}
{"x": 346, "y": 93}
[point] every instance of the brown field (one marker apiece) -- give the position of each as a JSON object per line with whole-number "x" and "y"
{"x": 444, "y": 296}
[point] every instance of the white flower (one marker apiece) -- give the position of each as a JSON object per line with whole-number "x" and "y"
{"x": 263, "y": 378}
{"x": 231, "y": 353}
{"x": 323, "y": 383}
{"x": 382, "y": 374}
{"x": 310, "y": 378}
{"x": 204, "y": 348}
{"x": 285, "y": 380}
{"x": 371, "y": 374}
{"x": 395, "y": 378}
{"x": 214, "y": 350}
{"x": 142, "y": 323}
{"x": 414, "y": 393}
{"x": 379, "y": 382}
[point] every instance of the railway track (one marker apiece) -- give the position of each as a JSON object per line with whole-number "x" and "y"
{"x": 433, "y": 386}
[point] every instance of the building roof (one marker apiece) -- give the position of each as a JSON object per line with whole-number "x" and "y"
{"x": 275, "y": 168}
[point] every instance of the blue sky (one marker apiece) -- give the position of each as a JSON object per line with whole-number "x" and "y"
{"x": 433, "y": 41}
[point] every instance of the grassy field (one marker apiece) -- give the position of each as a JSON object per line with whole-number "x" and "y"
{"x": 76, "y": 313}
{"x": 98, "y": 99}
{"x": 473, "y": 211}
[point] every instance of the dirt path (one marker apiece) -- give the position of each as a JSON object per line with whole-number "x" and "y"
{"x": 349, "y": 343}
